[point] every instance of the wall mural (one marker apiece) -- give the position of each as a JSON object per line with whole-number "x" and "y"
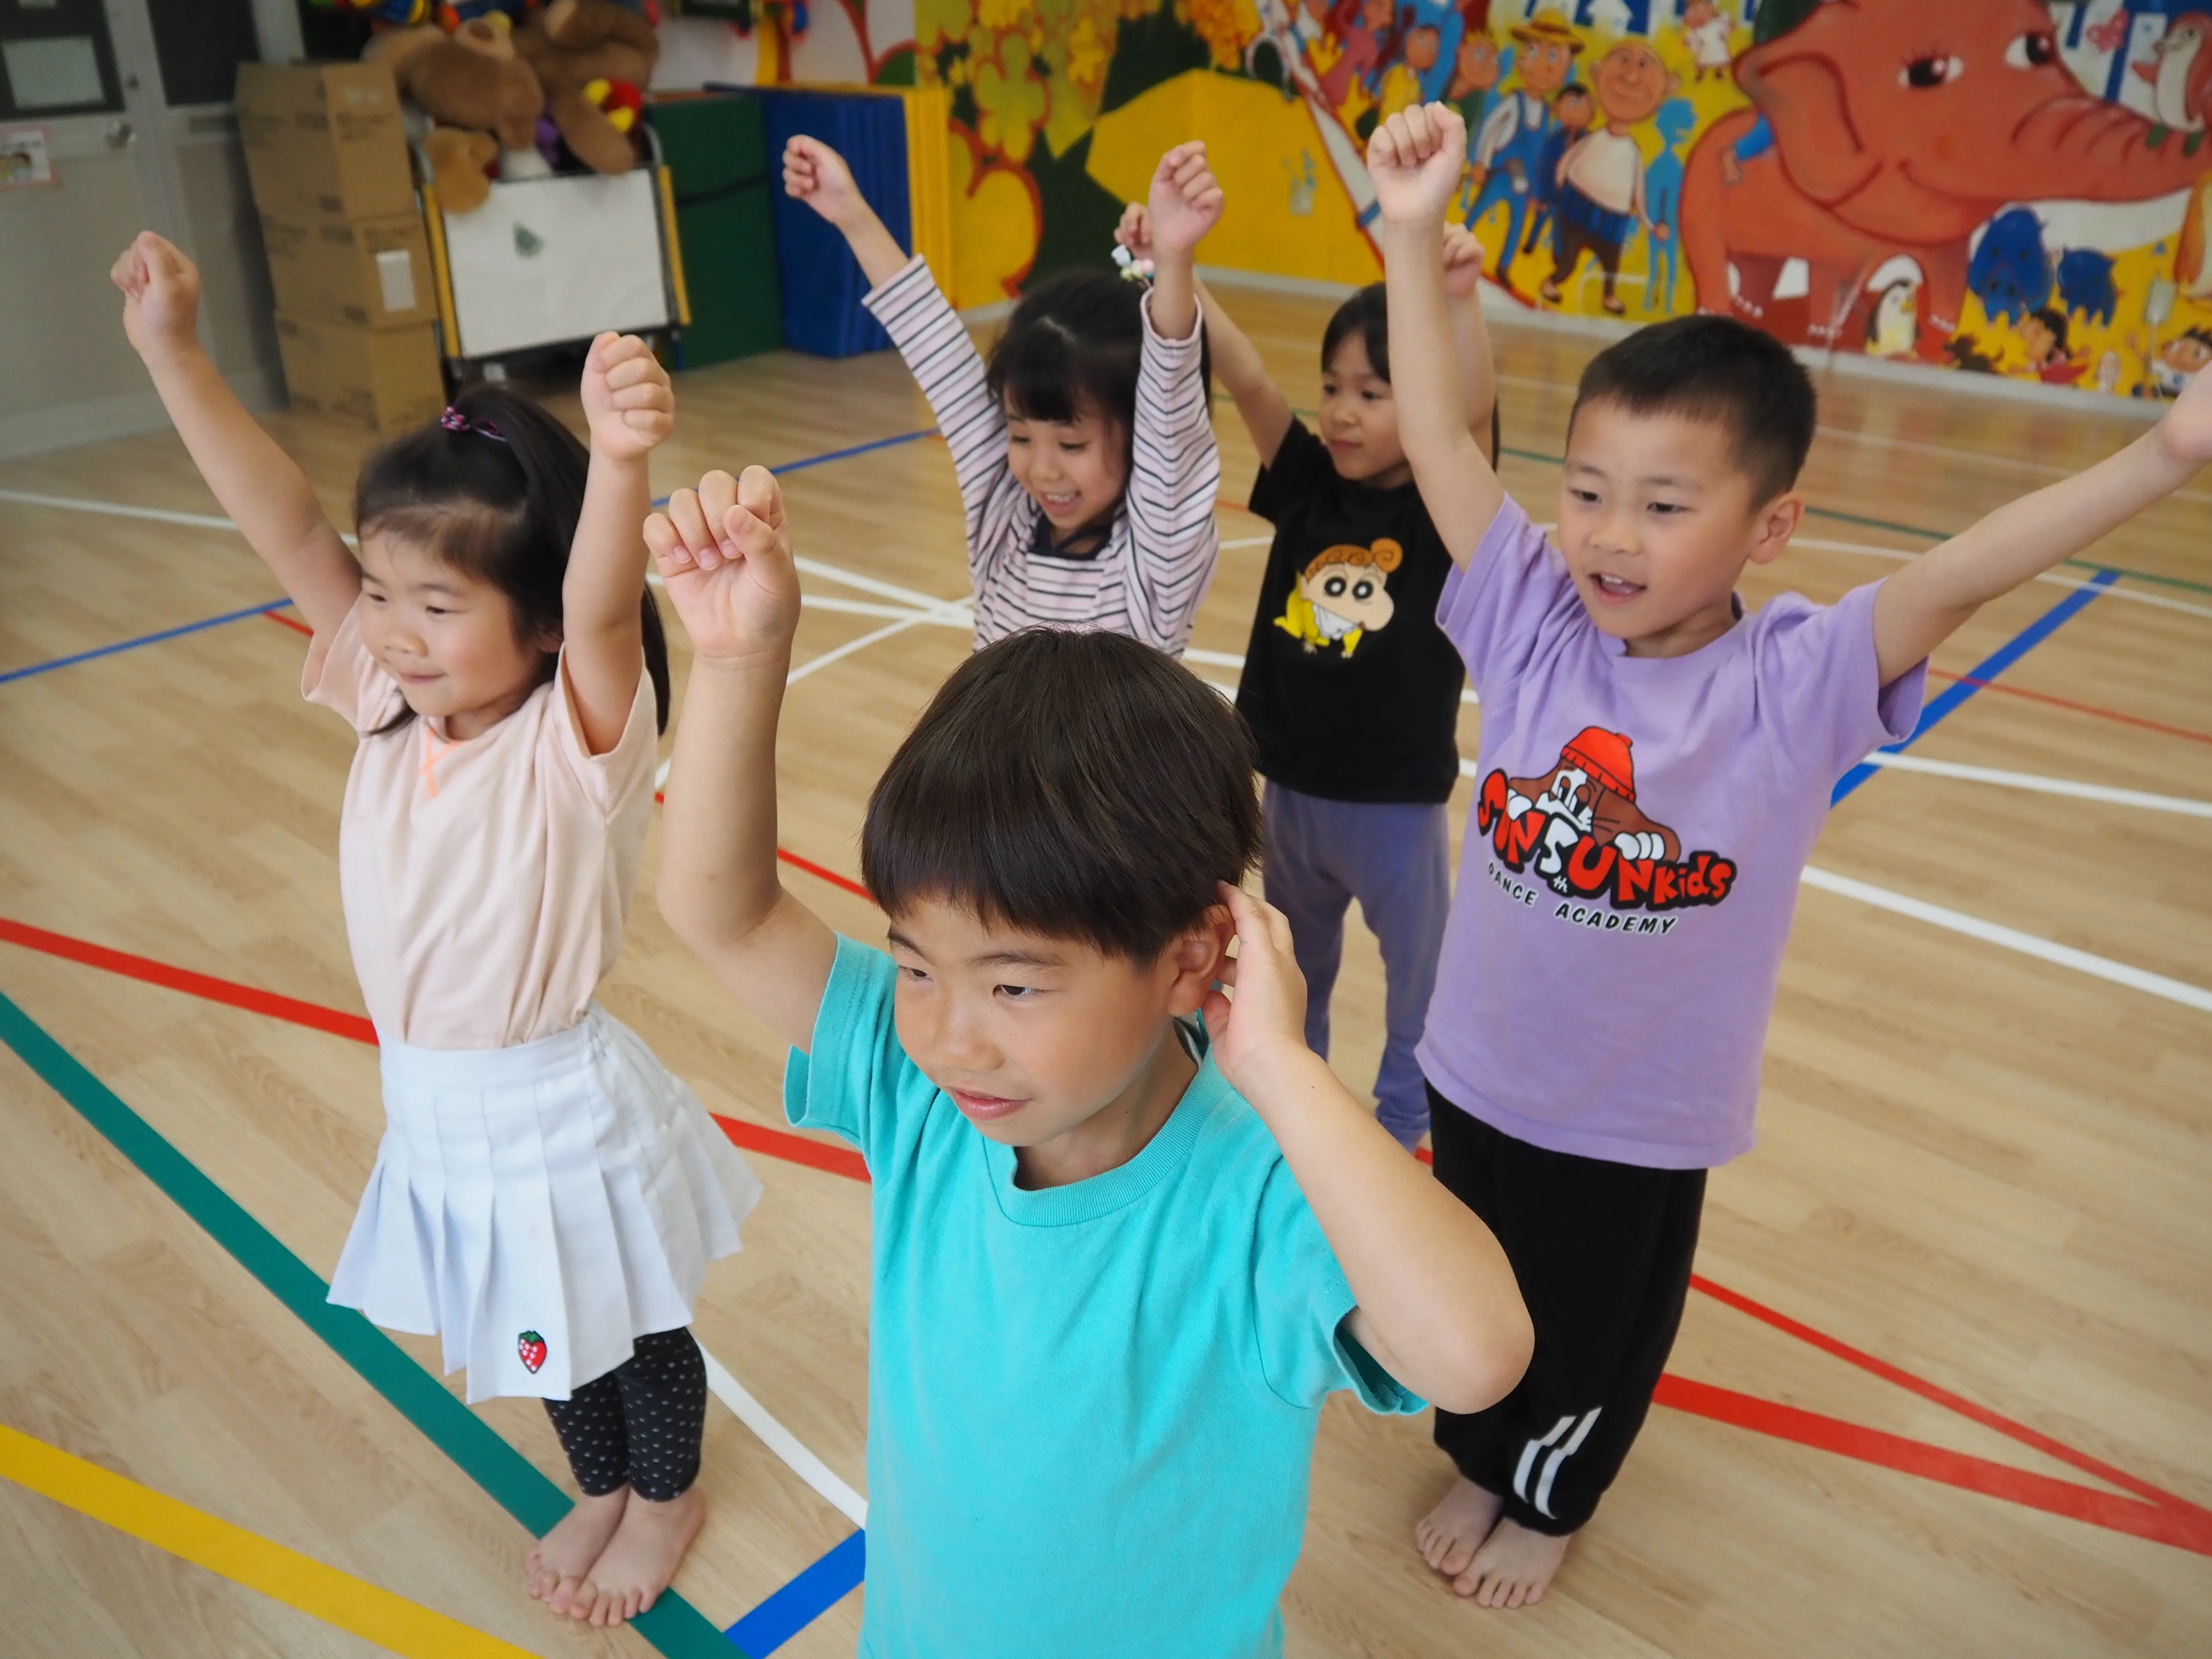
{"x": 1999, "y": 187}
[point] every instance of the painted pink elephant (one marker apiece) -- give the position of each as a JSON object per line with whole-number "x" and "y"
{"x": 1898, "y": 127}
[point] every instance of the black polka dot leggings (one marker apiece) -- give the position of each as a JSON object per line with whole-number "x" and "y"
{"x": 641, "y": 1424}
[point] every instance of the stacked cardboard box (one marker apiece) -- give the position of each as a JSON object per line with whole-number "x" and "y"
{"x": 356, "y": 301}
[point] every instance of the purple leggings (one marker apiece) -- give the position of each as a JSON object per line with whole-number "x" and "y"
{"x": 1395, "y": 859}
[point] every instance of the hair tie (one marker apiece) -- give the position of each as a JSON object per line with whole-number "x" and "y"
{"x": 453, "y": 421}
{"x": 1134, "y": 270}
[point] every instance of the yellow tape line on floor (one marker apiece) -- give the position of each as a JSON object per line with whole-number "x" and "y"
{"x": 244, "y": 1558}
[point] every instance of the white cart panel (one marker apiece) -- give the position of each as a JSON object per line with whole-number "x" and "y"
{"x": 553, "y": 259}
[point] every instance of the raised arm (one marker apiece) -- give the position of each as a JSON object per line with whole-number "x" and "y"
{"x": 630, "y": 407}
{"x": 926, "y": 331}
{"x": 1174, "y": 473}
{"x": 816, "y": 174}
{"x": 1259, "y": 401}
{"x": 1439, "y": 1308}
{"x": 725, "y": 553}
{"x": 1923, "y": 605}
{"x": 1471, "y": 335}
{"x": 259, "y": 486}
{"x": 1414, "y": 160}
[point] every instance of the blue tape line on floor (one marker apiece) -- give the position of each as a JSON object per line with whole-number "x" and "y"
{"x": 804, "y": 1600}
{"x": 1995, "y": 664}
{"x": 143, "y": 639}
{"x": 837, "y": 455}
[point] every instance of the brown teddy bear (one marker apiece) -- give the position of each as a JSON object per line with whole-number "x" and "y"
{"x": 476, "y": 88}
{"x": 575, "y": 47}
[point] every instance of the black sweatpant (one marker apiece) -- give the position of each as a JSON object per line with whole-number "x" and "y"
{"x": 640, "y": 1425}
{"x": 1602, "y": 1253}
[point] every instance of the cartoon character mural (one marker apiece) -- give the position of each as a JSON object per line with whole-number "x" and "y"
{"x": 1505, "y": 158}
{"x": 2017, "y": 187}
{"x": 1901, "y": 130}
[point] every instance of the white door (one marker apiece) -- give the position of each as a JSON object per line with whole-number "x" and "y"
{"x": 119, "y": 112}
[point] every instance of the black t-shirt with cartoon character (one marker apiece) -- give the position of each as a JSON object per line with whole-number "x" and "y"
{"x": 1349, "y": 685}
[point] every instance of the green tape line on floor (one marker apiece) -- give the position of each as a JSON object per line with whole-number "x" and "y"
{"x": 674, "y": 1627}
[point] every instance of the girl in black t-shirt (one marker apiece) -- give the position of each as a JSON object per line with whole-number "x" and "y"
{"x": 1351, "y": 689}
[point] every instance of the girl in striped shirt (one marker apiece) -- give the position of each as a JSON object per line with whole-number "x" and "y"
{"x": 1085, "y": 455}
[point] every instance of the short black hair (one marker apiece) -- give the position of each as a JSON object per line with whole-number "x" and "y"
{"x": 1715, "y": 368}
{"x": 1367, "y": 314}
{"x": 503, "y": 509}
{"x": 1081, "y": 785}
{"x": 1073, "y": 347}
{"x": 2054, "y": 319}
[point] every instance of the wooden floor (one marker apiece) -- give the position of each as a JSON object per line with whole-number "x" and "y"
{"x": 1985, "y": 1168}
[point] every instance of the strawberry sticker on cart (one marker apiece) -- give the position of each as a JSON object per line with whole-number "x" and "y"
{"x": 26, "y": 162}
{"x": 532, "y": 1347}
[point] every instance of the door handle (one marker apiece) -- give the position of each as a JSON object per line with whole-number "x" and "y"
{"x": 119, "y": 135}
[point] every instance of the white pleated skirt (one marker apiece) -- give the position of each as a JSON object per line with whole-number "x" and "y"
{"x": 539, "y": 1207}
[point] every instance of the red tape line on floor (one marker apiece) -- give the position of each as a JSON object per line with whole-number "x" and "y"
{"x": 754, "y": 1137}
{"x": 2154, "y": 1514}
{"x": 2065, "y": 702}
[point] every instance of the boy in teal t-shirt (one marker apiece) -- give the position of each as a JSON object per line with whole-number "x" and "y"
{"x": 1121, "y": 1257}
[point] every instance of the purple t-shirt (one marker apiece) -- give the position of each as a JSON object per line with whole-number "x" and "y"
{"x": 1632, "y": 860}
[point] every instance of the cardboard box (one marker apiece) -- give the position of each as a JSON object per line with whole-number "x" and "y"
{"x": 325, "y": 139}
{"x": 384, "y": 378}
{"x": 375, "y": 272}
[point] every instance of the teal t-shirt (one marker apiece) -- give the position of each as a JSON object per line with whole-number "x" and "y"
{"x": 1091, "y": 1409}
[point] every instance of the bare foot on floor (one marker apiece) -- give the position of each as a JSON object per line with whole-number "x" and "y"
{"x": 1514, "y": 1567}
{"x": 641, "y": 1558}
{"x": 555, "y": 1566}
{"x": 1449, "y": 1534}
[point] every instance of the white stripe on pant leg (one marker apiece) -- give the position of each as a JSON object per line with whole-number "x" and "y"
{"x": 1552, "y": 1463}
{"x": 1528, "y": 1457}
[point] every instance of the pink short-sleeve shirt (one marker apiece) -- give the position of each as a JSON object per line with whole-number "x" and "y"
{"x": 487, "y": 882}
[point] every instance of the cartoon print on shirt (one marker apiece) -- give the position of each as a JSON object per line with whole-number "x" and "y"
{"x": 1343, "y": 596}
{"x": 1578, "y": 829}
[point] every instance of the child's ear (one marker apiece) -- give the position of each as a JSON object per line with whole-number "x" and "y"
{"x": 1197, "y": 957}
{"x": 1774, "y": 524}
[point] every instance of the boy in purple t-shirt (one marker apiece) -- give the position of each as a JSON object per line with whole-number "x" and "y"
{"x": 1655, "y": 763}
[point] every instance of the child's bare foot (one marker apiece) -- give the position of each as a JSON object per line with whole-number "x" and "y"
{"x": 1514, "y": 1567}
{"x": 1449, "y": 1534}
{"x": 641, "y": 1559}
{"x": 556, "y": 1564}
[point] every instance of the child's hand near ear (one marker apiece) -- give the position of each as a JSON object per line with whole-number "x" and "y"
{"x": 1415, "y": 159}
{"x": 816, "y": 174}
{"x": 1266, "y": 1020}
{"x": 724, "y": 552}
{"x": 160, "y": 297}
{"x": 627, "y": 400}
{"x": 1186, "y": 201}
{"x": 1462, "y": 262}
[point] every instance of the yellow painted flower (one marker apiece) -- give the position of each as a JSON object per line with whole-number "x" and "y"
{"x": 995, "y": 222}
{"x": 1225, "y": 26}
{"x": 1010, "y": 100}
{"x": 1086, "y": 53}
{"x": 1001, "y": 13}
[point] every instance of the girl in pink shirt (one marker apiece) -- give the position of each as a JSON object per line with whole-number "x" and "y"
{"x": 547, "y": 1195}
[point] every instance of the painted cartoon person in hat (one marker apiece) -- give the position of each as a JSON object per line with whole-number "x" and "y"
{"x": 1590, "y": 792}
{"x": 1505, "y": 157}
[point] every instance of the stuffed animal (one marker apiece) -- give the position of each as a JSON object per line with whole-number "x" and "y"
{"x": 573, "y": 44}
{"x": 472, "y": 84}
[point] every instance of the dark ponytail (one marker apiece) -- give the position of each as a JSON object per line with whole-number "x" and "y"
{"x": 503, "y": 510}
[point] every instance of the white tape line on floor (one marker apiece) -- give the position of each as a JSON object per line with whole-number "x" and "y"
{"x": 2036, "y": 782}
{"x": 783, "y": 1443}
{"x": 2011, "y": 938}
